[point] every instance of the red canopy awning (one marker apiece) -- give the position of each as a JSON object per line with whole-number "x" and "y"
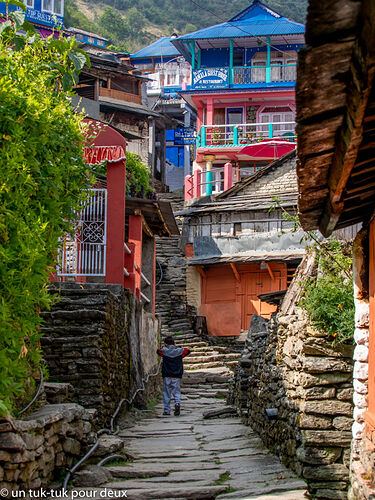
{"x": 269, "y": 149}
{"x": 98, "y": 154}
{"x": 108, "y": 144}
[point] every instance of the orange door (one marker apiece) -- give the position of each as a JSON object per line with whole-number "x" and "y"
{"x": 256, "y": 283}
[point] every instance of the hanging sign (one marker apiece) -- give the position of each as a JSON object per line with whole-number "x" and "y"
{"x": 211, "y": 78}
{"x": 184, "y": 136}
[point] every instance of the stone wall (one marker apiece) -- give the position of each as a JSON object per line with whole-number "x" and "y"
{"x": 98, "y": 338}
{"x": 36, "y": 450}
{"x": 281, "y": 178}
{"x": 290, "y": 367}
{"x": 363, "y": 445}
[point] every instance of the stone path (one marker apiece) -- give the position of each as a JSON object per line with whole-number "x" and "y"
{"x": 193, "y": 457}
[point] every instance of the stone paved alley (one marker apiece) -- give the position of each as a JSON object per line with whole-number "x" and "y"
{"x": 193, "y": 457}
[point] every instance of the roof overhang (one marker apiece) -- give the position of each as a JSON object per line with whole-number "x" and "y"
{"x": 158, "y": 216}
{"x": 336, "y": 116}
{"x": 249, "y": 257}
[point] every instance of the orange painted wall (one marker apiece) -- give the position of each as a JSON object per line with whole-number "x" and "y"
{"x": 229, "y": 303}
{"x": 223, "y": 319}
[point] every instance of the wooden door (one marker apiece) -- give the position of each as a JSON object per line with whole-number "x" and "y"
{"x": 255, "y": 282}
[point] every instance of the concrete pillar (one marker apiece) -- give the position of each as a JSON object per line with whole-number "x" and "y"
{"x": 115, "y": 222}
{"x": 135, "y": 237}
{"x": 228, "y": 179}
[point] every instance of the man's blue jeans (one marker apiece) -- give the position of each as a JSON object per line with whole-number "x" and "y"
{"x": 171, "y": 387}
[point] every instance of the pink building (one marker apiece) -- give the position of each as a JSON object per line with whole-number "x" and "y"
{"x": 242, "y": 86}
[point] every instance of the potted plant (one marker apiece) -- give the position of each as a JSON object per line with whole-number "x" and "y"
{"x": 215, "y": 136}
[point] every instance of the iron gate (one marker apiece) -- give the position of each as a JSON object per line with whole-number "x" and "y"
{"x": 85, "y": 254}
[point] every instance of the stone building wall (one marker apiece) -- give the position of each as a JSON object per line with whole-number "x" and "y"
{"x": 193, "y": 288}
{"x": 98, "y": 338}
{"x": 38, "y": 448}
{"x": 363, "y": 445}
{"x": 289, "y": 366}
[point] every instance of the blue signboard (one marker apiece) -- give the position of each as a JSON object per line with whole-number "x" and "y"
{"x": 211, "y": 78}
{"x": 184, "y": 136}
{"x": 37, "y": 15}
{"x": 41, "y": 17}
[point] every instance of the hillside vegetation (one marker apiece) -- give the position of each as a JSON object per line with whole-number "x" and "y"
{"x": 131, "y": 25}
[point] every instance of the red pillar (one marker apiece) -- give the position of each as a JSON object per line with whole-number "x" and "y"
{"x": 199, "y": 117}
{"x": 210, "y": 111}
{"x": 228, "y": 176}
{"x": 188, "y": 187}
{"x": 115, "y": 222}
{"x": 129, "y": 276}
{"x": 154, "y": 280}
{"x": 197, "y": 188}
{"x": 135, "y": 237}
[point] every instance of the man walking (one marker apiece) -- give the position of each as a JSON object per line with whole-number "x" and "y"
{"x": 172, "y": 370}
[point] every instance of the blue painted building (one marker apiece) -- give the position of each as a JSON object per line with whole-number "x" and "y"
{"x": 242, "y": 85}
{"x": 169, "y": 73}
{"x": 87, "y": 37}
{"x": 44, "y": 13}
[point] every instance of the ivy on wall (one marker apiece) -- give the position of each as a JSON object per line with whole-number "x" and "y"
{"x": 43, "y": 181}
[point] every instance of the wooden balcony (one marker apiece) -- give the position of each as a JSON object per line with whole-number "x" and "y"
{"x": 120, "y": 95}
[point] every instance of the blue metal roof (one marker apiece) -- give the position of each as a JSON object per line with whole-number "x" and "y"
{"x": 257, "y": 20}
{"x": 161, "y": 48}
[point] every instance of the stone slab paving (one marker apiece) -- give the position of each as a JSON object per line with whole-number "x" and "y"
{"x": 189, "y": 457}
{"x": 192, "y": 457}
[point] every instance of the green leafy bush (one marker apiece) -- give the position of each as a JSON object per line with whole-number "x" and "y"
{"x": 43, "y": 182}
{"x": 328, "y": 297}
{"x": 137, "y": 177}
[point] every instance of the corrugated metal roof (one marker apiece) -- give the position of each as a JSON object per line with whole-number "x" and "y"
{"x": 161, "y": 48}
{"x": 257, "y": 20}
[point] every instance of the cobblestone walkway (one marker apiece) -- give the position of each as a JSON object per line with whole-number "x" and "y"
{"x": 195, "y": 457}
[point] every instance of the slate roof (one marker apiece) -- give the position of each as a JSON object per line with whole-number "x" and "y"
{"x": 160, "y": 48}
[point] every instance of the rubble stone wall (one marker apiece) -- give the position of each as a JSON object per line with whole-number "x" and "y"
{"x": 93, "y": 339}
{"x": 363, "y": 444}
{"x": 290, "y": 368}
{"x": 36, "y": 449}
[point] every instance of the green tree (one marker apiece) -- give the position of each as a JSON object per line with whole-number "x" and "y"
{"x": 44, "y": 180}
{"x": 116, "y": 27}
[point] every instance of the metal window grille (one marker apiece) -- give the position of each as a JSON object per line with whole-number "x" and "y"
{"x": 85, "y": 253}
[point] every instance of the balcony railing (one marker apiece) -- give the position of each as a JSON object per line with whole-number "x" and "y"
{"x": 224, "y": 77}
{"x": 120, "y": 95}
{"x": 243, "y": 134}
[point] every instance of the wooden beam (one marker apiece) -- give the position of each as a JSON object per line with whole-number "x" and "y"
{"x": 270, "y": 271}
{"x": 235, "y": 272}
{"x": 201, "y": 272}
{"x": 146, "y": 228}
{"x": 358, "y": 89}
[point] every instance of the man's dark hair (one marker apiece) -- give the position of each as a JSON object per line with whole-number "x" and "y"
{"x": 169, "y": 340}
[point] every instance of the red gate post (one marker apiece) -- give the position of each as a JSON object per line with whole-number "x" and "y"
{"x": 228, "y": 179}
{"x": 154, "y": 280}
{"x": 115, "y": 222}
{"x": 197, "y": 189}
{"x": 135, "y": 236}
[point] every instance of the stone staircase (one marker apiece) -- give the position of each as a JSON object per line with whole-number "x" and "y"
{"x": 208, "y": 369}
{"x": 171, "y": 304}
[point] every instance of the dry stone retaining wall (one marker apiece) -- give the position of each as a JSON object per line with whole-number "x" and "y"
{"x": 35, "y": 450}
{"x": 99, "y": 339}
{"x": 289, "y": 366}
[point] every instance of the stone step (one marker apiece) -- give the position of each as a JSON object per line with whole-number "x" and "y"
{"x": 228, "y": 357}
{"x": 191, "y": 345}
{"x": 202, "y": 366}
